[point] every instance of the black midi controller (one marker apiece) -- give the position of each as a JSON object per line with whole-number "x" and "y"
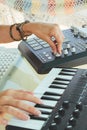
{"x": 74, "y": 51}
{"x": 64, "y": 93}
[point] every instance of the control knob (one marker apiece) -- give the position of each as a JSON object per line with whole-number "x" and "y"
{"x": 61, "y": 111}
{"x": 69, "y": 127}
{"x": 79, "y": 106}
{"x": 72, "y": 121}
{"x": 73, "y": 49}
{"x": 53, "y": 126}
{"x": 65, "y": 51}
{"x": 76, "y": 113}
{"x": 65, "y": 104}
{"x": 68, "y": 45}
{"x": 57, "y": 119}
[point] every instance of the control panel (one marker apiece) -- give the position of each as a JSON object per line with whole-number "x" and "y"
{"x": 74, "y": 51}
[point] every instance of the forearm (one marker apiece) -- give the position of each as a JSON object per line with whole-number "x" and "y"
{"x": 44, "y": 31}
{"x": 5, "y": 34}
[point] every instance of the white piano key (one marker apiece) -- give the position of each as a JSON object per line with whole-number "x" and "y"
{"x": 44, "y": 115}
{"x": 50, "y": 103}
{"x": 29, "y": 124}
{"x": 45, "y": 109}
{"x": 58, "y": 91}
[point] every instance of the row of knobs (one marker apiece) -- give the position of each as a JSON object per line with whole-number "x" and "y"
{"x": 69, "y": 47}
{"x": 65, "y": 51}
{"x": 61, "y": 113}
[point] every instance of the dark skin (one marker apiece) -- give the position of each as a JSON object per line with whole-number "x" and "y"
{"x": 10, "y": 99}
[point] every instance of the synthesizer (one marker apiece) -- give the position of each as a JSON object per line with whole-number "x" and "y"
{"x": 64, "y": 93}
{"x": 40, "y": 56}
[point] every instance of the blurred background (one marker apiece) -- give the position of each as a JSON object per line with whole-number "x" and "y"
{"x": 64, "y": 12}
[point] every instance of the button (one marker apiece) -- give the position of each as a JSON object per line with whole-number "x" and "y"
{"x": 61, "y": 112}
{"x": 72, "y": 121}
{"x": 53, "y": 126}
{"x": 76, "y": 113}
{"x": 79, "y": 106}
{"x": 57, "y": 119}
{"x": 69, "y": 127}
{"x": 65, "y": 104}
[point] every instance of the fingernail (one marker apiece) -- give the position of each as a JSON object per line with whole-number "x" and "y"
{"x": 25, "y": 117}
{"x": 41, "y": 102}
{"x": 38, "y": 113}
{"x": 5, "y": 122}
{"x": 60, "y": 52}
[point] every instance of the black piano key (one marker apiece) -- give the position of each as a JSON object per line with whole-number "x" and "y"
{"x": 56, "y": 86}
{"x": 45, "y": 112}
{"x": 61, "y": 79}
{"x": 52, "y": 93}
{"x": 65, "y": 73}
{"x": 44, "y": 106}
{"x": 49, "y": 98}
{"x": 69, "y": 70}
{"x": 61, "y": 86}
{"x": 61, "y": 82}
{"x": 38, "y": 118}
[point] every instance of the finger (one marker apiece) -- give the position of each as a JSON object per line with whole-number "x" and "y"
{"x": 22, "y": 95}
{"x": 19, "y": 104}
{"x": 25, "y": 91}
{"x": 59, "y": 42}
{"x": 17, "y": 109}
{"x": 25, "y": 107}
{"x": 59, "y": 38}
{"x": 15, "y": 112}
{"x": 51, "y": 43}
{"x": 27, "y": 97}
{"x": 3, "y": 121}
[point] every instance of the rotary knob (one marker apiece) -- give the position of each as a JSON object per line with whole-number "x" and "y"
{"x": 79, "y": 106}
{"x": 65, "y": 104}
{"x": 68, "y": 45}
{"x": 76, "y": 113}
{"x": 73, "y": 49}
{"x": 72, "y": 121}
{"x": 57, "y": 119}
{"x": 61, "y": 111}
{"x": 65, "y": 51}
{"x": 69, "y": 127}
{"x": 53, "y": 126}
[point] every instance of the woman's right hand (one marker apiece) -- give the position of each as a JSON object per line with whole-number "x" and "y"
{"x": 12, "y": 102}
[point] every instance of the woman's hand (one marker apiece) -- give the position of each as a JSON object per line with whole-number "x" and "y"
{"x": 12, "y": 102}
{"x": 46, "y": 31}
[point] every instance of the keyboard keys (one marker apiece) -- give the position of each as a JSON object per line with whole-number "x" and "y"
{"x": 50, "y": 92}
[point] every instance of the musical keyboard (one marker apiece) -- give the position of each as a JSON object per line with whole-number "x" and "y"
{"x": 64, "y": 93}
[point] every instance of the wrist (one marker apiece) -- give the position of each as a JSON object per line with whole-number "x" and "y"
{"x": 27, "y": 28}
{"x": 20, "y": 30}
